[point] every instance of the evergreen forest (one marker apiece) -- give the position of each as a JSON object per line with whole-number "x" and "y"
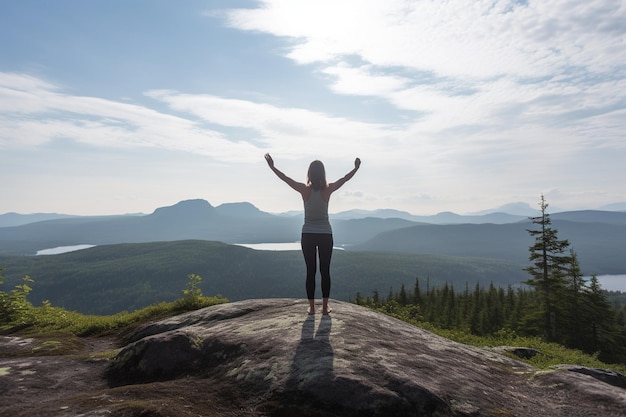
{"x": 558, "y": 305}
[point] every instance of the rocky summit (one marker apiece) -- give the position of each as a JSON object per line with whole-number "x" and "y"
{"x": 268, "y": 357}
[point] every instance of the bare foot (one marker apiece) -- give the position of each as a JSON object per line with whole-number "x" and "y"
{"x": 327, "y": 311}
{"x": 311, "y": 311}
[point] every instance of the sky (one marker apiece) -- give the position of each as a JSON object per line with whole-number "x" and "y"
{"x": 124, "y": 106}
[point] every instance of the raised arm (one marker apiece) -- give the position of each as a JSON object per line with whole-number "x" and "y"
{"x": 334, "y": 186}
{"x": 298, "y": 186}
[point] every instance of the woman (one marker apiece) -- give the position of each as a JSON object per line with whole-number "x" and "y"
{"x": 317, "y": 235}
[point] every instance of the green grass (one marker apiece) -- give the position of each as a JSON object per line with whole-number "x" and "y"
{"x": 48, "y": 319}
{"x": 551, "y": 353}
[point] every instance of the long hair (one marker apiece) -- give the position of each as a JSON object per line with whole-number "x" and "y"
{"x": 316, "y": 177}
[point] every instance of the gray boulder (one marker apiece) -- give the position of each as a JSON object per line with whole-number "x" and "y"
{"x": 604, "y": 375}
{"x": 355, "y": 362}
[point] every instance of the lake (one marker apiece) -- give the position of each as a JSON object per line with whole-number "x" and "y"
{"x": 256, "y": 246}
{"x": 271, "y": 246}
{"x": 276, "y": 246}
{"x": 63, "y": 249}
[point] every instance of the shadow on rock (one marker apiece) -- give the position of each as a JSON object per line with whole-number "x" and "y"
{"x": 314, "y": 388}
{"x": 312, "y": 367}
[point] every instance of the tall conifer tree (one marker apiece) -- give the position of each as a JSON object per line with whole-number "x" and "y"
{"x": 548, "y": 272}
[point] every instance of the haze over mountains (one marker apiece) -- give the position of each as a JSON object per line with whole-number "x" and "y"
{"x": 597, "y": 236}
{"x": 504, "y": 214}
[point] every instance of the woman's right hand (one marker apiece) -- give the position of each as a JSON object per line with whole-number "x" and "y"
{"x": 269, "y": 160}
{"x": 357, "y": 163}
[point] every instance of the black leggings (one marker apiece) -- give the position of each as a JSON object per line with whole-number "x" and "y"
{"x": 312, "y": 244}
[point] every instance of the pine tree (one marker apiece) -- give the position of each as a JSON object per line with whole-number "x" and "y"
{"x": 464, "y": 308}
{"x": 376, "y": 299}
{"x": 359, "y": 299}
{"x": 548, "y": 272}
{"x": 417, "y": 293}
{"x": 475, "y": 324}
{"x": 492, "y": 309}
{"x": 576, "y": 307}
{"x": 403, "y": 299}
{"x": 449, "y": 308}
{"x": 509, "y": 307}
{"x": 519, "y": 302}
{"x": 602, "y": 335}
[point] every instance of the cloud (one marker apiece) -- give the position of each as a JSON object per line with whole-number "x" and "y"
{"x": 39, "y": 113}
{"x": 302, "y": 131}
{"x": 42, "y": 112}
{"x": 487, "y": 80}
{"x": 498, "y": 51}
{"x": 479, "y": 39}
{"x": 363, "y": 80}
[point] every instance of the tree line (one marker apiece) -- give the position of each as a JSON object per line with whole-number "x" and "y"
{"x": 556, "y": 303}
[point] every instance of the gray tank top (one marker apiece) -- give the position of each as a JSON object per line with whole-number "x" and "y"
{"x": 316, "y": 214}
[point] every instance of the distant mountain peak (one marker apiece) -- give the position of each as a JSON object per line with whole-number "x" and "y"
{"x": 240, "y": 204}
{"x": 193, "y": 202}
{"x": 240, "y": 209}
{"x": 186, "y": 207}
{"x": 614, "y": 207}
{"x": 446, "y": 214}
{"x": 518, "y": 208}
{"x": 380, "y": 213}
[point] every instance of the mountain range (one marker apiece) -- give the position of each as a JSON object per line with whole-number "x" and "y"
{"x": 507, "y": 213}
{"x": 598, "y": 236}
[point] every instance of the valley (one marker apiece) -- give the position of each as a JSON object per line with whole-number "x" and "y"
{"x": 143, "y": 259}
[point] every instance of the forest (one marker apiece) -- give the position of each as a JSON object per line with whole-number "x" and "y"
{"x": 108, "y": 279}
{"x": 558, "y": 304}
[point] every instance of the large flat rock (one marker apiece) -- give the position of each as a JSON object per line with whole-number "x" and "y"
{"x": 271, "y": 358}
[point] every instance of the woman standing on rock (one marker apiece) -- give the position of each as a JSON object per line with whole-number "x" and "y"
{"x": 317, "y": 234}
